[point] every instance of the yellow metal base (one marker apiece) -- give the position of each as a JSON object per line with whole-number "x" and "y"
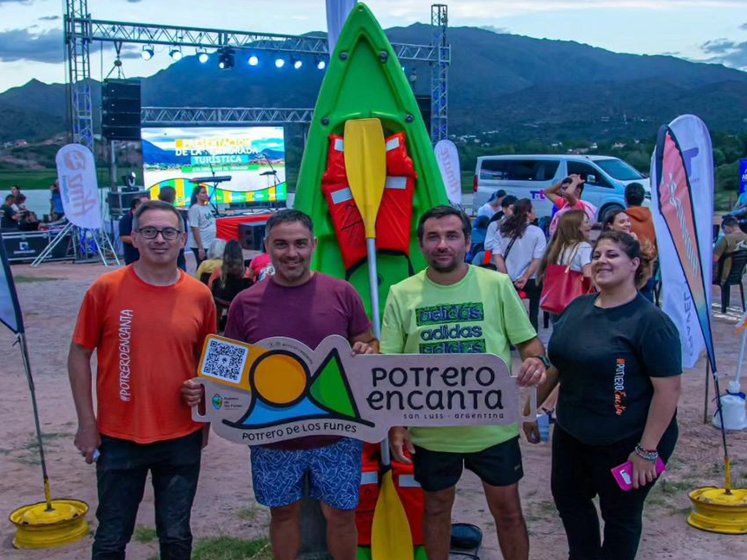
{"x": 39, "y": 527}
{"x": 718, "y": 512}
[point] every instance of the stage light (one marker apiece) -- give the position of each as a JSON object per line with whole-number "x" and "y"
{"x": 147, "y": 53}
{"x": 176, "y": 53}
{"x": 279, "y": 62}
{"x": 226, "y": 59}
{"x": 253, "y": 60}
{"x": 321, "y": 64}
{"x": 296, "y": 63}
{"x": 202, "y": 56}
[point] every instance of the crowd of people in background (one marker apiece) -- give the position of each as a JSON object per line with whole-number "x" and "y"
{"x": 613, "y": 401}
{"x": 15, "y": 216}
{"x": 507, "y": 236}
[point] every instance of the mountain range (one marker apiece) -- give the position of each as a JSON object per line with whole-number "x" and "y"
{"x": 518, "y": 87}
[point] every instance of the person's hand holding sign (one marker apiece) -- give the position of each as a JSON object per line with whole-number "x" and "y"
{"x": 192, "y": 392}
{"x": 399, "y": 441}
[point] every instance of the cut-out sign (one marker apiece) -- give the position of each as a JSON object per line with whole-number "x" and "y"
{"x": 280, "y": 389}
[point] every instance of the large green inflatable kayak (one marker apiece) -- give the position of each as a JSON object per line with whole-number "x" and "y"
{"x": 365, "y": 79}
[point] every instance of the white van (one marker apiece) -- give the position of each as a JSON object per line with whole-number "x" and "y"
{"x": 527, "y": 176}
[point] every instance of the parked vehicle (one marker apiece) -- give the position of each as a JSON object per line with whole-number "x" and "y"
{"x": 527, "y": 176}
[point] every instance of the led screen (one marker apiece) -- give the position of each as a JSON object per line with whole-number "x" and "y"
{"x": 251, "y": 160}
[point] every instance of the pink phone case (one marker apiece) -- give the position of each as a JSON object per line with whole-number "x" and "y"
{"x": 624, "y": 473}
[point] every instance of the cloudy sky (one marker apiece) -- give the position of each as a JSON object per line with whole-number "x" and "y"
{"x": 31, "y": 40}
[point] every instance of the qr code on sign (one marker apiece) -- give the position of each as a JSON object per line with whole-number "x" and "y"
{"x": 224, "y": 361}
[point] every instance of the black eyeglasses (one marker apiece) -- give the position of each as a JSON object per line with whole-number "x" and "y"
{"x": 169, "y": 233}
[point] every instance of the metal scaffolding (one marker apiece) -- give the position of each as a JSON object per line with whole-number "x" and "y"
{"x": 440, "y": 74}
{"x": 201, "y": 38}
{"x": 80, "y": 103}
{"x": 154, "y": 116}
{"x": 81, "y": 31}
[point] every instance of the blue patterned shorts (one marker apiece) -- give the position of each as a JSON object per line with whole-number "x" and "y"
{"x": 278, "y": 474}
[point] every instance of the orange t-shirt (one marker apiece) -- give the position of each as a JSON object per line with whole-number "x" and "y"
{"x": 148, "y": 341}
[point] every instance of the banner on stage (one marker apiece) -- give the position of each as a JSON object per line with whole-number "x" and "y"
{"x": 682, "y": 184}
{"x": 76, "y": 173}
{"x": 448, "y": 162}
{"x": 280, "y": 389}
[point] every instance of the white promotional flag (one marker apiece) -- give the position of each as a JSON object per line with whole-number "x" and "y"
{"x": 76, "y": 172}
{"x": 448, "y": 162}
{"x": 10, "y": 309}
{"x": 682, "y": 184}
{"x": 337, "y": 13}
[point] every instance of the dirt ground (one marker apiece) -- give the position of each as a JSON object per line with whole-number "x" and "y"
{"x": 50, "y": 296}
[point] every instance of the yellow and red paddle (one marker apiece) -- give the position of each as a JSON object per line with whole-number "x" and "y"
{"x": 365, "y": 164}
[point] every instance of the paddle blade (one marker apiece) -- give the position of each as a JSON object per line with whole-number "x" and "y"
{"x": 365, "y": 166}
{"x": 390, "y": 532}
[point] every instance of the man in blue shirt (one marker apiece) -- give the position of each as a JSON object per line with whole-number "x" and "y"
{"x": 131, "y": 254}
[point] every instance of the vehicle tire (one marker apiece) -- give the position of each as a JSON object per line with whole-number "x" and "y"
{"x": 607, "y": 210}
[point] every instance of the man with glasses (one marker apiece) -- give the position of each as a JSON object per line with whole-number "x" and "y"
{"x": 147, "y": 323}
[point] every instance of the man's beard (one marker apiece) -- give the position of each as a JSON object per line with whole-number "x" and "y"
{"x": 444, "y": 269}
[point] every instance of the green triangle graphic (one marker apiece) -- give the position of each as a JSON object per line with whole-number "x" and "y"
{"x": 330, "y": 388}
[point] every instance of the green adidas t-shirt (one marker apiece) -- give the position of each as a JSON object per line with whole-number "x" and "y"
{"x": 480, "y": 314}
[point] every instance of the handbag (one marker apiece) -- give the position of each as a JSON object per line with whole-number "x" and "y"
{"x": 563, "y": 285}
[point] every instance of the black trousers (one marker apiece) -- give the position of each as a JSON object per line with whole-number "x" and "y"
{"x": 533, "y": 292}
{"x": 580, "y": 472}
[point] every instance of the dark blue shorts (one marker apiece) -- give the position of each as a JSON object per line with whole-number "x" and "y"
{"x": 278, "y": 474}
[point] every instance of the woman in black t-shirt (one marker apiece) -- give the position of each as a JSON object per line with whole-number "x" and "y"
{"x": 617, "y": 358}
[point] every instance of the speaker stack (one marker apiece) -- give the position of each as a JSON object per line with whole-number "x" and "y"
{"x": 424, "y": 104}
{"x": 120, "y": 109}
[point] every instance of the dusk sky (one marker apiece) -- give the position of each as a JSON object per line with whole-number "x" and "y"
{"x": 31, "y": 38}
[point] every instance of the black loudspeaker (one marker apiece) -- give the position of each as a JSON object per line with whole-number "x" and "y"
{"x": 26, "y": 246}
{"x": 251, "y": 236}
{"x": 120, "y": 109}
{"x": 424, "y": 104}
{"x": 120, "y": 201}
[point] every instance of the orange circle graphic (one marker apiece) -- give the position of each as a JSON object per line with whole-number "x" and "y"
{"x": 280, "y": 379}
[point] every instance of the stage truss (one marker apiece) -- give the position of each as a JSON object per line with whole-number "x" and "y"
{"x": 81, "y": 30}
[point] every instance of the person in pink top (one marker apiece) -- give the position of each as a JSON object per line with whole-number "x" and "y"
{"x": 566, "y": 195}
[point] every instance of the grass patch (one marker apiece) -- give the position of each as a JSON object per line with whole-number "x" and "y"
{"x": 248, "y": 513}
{"x": 144, "y": 534}
{"x": 20, "y": 279}
{"x": 537, "y": 510}
{"x": 28, "y": 454}
{"x": 229, "y": 548}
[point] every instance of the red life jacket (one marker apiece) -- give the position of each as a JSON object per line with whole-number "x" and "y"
{"x": 394, "y": 219}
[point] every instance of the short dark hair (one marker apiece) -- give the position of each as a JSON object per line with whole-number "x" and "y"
{"x": 439, "y": 212}
{"x": 508, "y": 201}
{"x": 149, "y": 205}
{"x": 167, "y": 194}
{"x": 9, "y": 197}
{"x": 500, "y": 193}
{"x": 730, "y": 221}
{"x": 136, "y": 200}
{"x": 289, "y": 216}
{"x": 634, "y": 194}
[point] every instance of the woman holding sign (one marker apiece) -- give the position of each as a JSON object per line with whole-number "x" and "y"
{"x": 617, "y": 359}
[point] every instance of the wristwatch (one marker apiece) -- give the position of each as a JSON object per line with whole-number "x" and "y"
{"x": 545, "y": 361}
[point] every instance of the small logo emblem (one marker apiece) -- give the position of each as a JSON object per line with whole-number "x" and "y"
{"x": 217, "y": 402}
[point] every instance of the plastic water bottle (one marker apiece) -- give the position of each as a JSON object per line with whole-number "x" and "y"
{"x": 543, "y": 422}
